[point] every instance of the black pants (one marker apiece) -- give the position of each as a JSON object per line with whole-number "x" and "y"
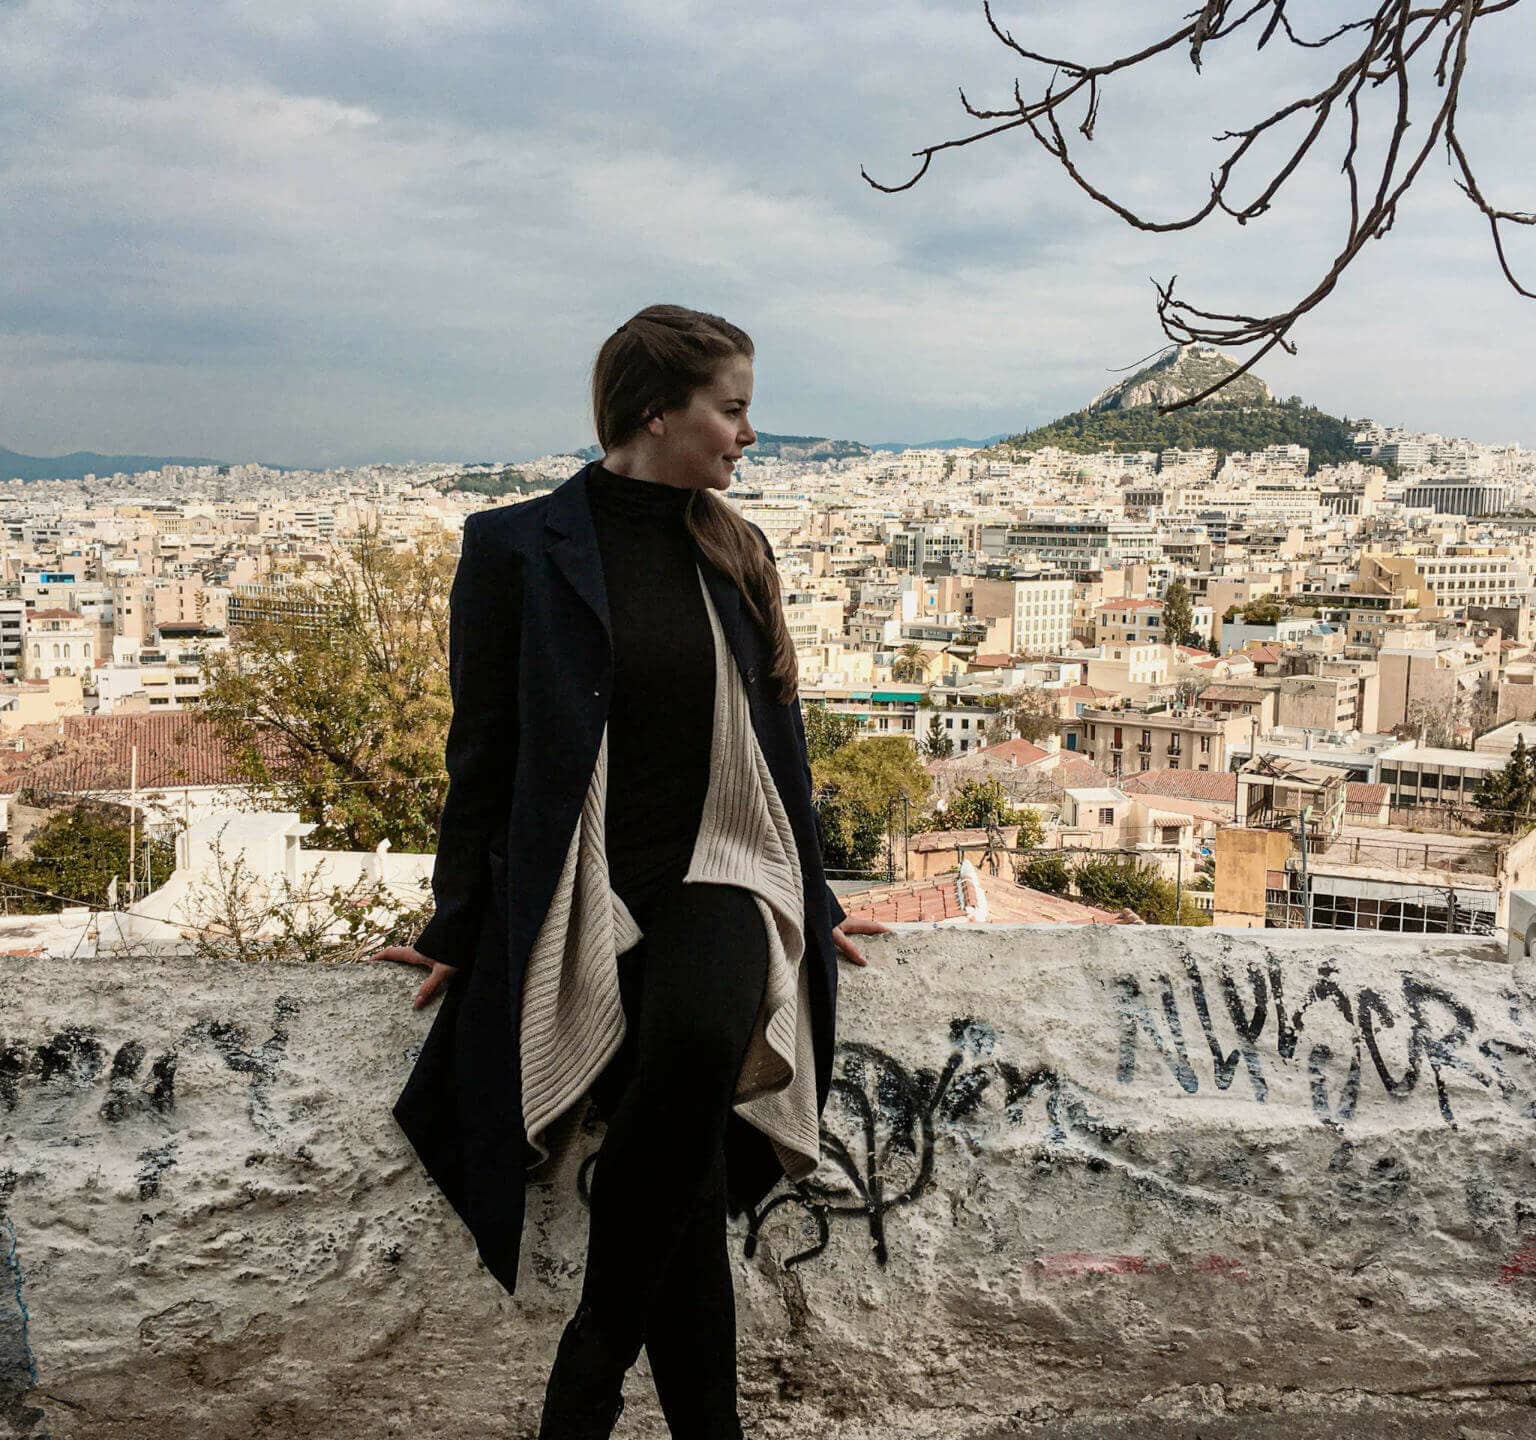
{"x": 657, "y": 1264}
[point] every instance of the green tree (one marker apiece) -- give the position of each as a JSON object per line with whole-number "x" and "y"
{"x": 1119, "y": 883}
{"x": 909, "y": 663}
{"x": 1179, "y": 615}
{"x": 1265, "y": 610}
{"x": 1047, "y": 871}
{"x": 75, "y": 854}
{"x": 345, "y": 721}
{"x": 853, "y": 835}
{"x": 826, "y": 732}
{"x": 978, "y": 803}
{"x": 1507, "y": 797}
{"x": 875, "y": 772}
{"x": 1029, "y": 713}
{"x": 1214, "y": 646}
{"x": 938, "y": 745}
{"x": 858, "y": 787}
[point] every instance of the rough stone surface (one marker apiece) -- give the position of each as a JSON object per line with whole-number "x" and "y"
{"x": 1078, "y": 1183}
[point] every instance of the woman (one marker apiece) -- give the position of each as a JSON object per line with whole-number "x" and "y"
{"x": 630, "y": 903}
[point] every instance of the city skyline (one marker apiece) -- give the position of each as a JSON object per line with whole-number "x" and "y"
{"x": 329, "y": 234}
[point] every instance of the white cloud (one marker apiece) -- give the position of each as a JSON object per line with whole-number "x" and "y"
{"x": 339, "y": 229}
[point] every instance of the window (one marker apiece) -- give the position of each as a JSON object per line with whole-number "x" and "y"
{"x": 1107, "y": 815}
{"x": 949, "y": 722}
{"x": 1173, "y": 762}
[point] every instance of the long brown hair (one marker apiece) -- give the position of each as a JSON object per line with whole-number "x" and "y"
{"x": 653, "y": 363}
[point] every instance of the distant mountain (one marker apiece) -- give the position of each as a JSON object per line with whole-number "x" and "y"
{"x": 1179, "y": 373}
{"x": 503, "y": 480}
{"x": 81, "y": 463}
{"x": 896, "y": 446}
{"x": 779, "y": 447}
{"x": 1244, "y": 416}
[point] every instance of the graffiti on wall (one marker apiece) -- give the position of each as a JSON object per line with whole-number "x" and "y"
{"x": 1236, "y": 1027}
{"x": 881, "y": 1157}
{"x": 1418, "y": 1035}
{"x": 77, "y": 1063}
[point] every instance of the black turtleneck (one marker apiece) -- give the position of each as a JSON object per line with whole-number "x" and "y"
{"x": 661, "y": 711}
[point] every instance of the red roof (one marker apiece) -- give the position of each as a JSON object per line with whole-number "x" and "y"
{"x": 1261, "y": 654}
{"x": 939, "y": 898}
{"x": 1214, "y": 786}
{"x": 1090, "y": 692}
{"x": 55, "y": 615}
{"x": 94, "y": 752}
{"x": 1010, "y": 752}
{"x": 1365, "y": 796}
{"x": 1076, "y": 773}
{"x": 1130, "y": 605}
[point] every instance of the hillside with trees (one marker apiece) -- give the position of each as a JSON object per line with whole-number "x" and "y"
{"x": 1224, "y": 428}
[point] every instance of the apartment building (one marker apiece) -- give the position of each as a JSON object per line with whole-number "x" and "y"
{"x": 1452, "y": 580}
{"x": 1134, "y": 671}
{"x": 1424, "y": 674}
{"x": 1123, "y": 740}
{"x": 1420, "y": 775}
{"x": 1079, "y": 545}
{"x": 1141, "y": 622}
{"x": 1042, "y": 615}
{"x": 58, "y": 642}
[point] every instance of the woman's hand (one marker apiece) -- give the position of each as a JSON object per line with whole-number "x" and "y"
{"x": 852, "y": 926}
{"x": 407, "y": 955}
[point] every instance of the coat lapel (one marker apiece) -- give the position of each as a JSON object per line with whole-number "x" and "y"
{"x": 570, "y": 539}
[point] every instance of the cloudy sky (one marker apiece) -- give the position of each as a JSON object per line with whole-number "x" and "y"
{"x": 325, "y": 231}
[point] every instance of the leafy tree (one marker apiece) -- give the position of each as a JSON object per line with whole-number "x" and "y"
{"x": 75, "y": 854}
{"x": 909, "y": 663}
{"x": 875, "y": 772}
{"x": 826, "y": 732}
{"x": 1214, "y": 646}
{"x": 853, "y": 835}
{"x": 1118, "y": 883}
{"x": 1048, "y": 872}
{"x": 1265, "y": 610}
{"x": 978, "y": 803}
{"x": 1028, "y": 713}
{"x": 857, "y": 787}
{"x": 938, "y": 745}
{"x": 358, "y": 706}
{"x": 1507, "y": 797}
{"x": 1179, "y": 615}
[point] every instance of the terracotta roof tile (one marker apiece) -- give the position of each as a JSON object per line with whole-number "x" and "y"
{"x": 1213, "y": 786}
{"x": 938, "y": 898}
{"x": 94, "y": 752}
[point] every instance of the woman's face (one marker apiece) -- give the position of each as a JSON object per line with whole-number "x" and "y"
{"x": 701, "y": 443}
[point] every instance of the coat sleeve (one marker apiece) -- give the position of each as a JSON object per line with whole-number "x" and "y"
{"x": 484, "y": 633}
{"x": 836, "y": 911}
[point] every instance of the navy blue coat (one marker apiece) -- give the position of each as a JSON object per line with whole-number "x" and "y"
{"x": 531, "y": 670}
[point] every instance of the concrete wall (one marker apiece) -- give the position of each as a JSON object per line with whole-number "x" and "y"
{"x": 1078, "y": 1183}
{"x": 1244, "y": 859}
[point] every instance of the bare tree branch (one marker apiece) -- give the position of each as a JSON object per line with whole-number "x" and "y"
{"x": 1378, "y": 52}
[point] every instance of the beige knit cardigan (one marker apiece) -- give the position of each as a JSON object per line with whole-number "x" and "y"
{"x": 572, "y": 1017}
